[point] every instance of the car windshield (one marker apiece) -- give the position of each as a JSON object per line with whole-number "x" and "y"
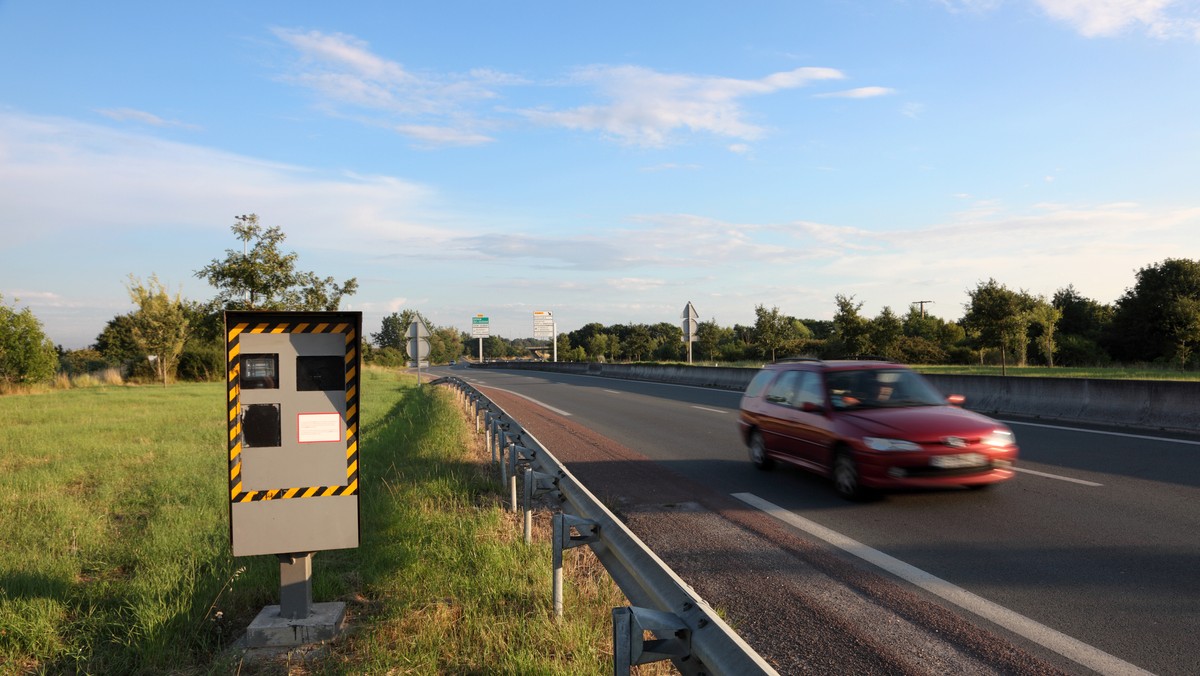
{"x": 880, "y": 388}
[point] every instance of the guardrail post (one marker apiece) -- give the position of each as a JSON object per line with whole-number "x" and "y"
{"x": 488, "y": 438}
{"x": 589, "y": 531}
{"x": 517, "y": 454}
{"x": 672, "y": 638}
{"x": 503, "y": 443}
{"x": 536, "y": 483}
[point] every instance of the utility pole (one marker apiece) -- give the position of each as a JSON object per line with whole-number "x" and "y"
{"x": 922, "y": 304}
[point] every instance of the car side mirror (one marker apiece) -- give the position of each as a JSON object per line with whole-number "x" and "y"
{"x": 809, "y": 407}
{"x": 956, "y": 400}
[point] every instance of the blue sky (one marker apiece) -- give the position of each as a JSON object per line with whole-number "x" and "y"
{"x": 605, "y": 162}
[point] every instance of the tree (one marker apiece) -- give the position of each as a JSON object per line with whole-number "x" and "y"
{"x": 1159, "y": 318}
{"x": 116, "y": 341}
{"x": 598, "y": 345}
{"x": 771, "y": 330}
{"x": 1044, "y": 317}
{"x": 1081, "y": 316}
{"x": 851, "y": 330}
{"x": 261, "y": 277}
{"x": 639, "y": 343}
{"x": 445, "y": 344}
{"x": 393, "y": 331}
{"x": 1000, "y": 318}
{"x": 27, "y": 356}
{"x": 709, "y": 336}
{"x": 886, "y": 330}
{"x": 160, "y": 325}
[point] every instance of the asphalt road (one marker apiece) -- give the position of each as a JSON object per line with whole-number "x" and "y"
{"x": 1095, "y": 545}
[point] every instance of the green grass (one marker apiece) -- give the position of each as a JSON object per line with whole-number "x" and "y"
{"x": 114, "y": 554}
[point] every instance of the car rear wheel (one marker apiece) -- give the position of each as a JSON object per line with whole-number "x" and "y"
{"x": 758, "y": 452}
{"x": 845, "y": 476}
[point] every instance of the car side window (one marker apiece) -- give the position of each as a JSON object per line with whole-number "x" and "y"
{"x": 758, "y": 383}
{"x": 809, "y": 390}
{"x": 780, "y": 391}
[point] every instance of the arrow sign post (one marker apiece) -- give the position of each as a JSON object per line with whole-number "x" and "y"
{"x": 418, "y": 345}
{"x": 690, "y": 327}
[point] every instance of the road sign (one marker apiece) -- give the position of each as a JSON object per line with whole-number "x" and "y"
{"x": 417, "y": 349}
{"x": 690, "y": 325}
{"x": 543, "y": 324}
{"x": 479, "y": 326}
{"x": 418, "y": 341}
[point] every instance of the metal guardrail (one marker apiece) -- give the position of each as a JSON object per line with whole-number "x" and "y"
{"x": 685, "y": 629}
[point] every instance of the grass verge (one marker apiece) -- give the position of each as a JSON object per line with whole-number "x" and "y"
{"x": 114, "y": 555}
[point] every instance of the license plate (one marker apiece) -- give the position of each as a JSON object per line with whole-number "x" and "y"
{"x": 960, "y": 460}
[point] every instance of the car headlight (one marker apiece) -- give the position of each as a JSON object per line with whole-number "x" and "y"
{"x": 880, "y": 444}
{"x": 1000, "y": 438}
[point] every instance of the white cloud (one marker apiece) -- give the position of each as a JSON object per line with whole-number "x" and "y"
{"x": 641, "y": 106}
{"x": 442, "y": 136}
{"x": 106, "y": 171}
{"x": 858, "y": 93}
{"x": 670, "y": 166}
{"x": 636, "y": 283}
{"x": 1103, "y": 18}
{"x": 645, "y": 107}
{"x": 433, "y": 109}
{"x": 130, "y": 114}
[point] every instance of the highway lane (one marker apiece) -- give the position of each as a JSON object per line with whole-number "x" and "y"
{"x": 1111, "y": 561}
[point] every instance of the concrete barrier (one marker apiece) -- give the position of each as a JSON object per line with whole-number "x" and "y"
{"x": 1147, "y": 404}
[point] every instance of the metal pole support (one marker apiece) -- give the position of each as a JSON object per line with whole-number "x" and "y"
{"x": 589, "y": 531}
{"x": 672, "y": 638}
{"x": 536, "y": 483}
{"x": 488, "y": 438}
{"x": 295, "y": 585}
{"x": 516, "y": 454}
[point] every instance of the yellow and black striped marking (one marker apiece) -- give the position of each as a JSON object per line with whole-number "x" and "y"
{"x": 347, "y": 324}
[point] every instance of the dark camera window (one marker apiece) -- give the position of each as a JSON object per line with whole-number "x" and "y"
{"x": 327, "y": 372}
{"x": 260, "y": 425}
{"x": 259, "y": 372}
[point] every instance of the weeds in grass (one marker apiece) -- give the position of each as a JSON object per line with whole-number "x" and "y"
{"x": 114, "y": 554}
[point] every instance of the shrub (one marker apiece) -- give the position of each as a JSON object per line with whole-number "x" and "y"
{"x": 201, "y": 363}
{"x": 27, "y": 356}
{"x": 1075, "y": 350}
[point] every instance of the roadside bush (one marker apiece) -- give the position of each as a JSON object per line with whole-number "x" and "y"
{"x": 1075, "y": 350}
{"x": 81, "y": 362}
{"x": 201, "y": 363}
{"x": 918, "y": 350}
{"x": 27, "y": 356}
{"x": 962, "y": 355}
{"x": 389, "y": 357}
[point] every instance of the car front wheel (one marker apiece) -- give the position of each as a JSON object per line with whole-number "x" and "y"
{"x": 845, "y": 477}
{"x": 758, "y": 452}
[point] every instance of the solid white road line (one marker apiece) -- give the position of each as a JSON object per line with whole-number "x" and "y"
{"x": 1073, "y": 649}
{"x": 1056, "y": 476}
{"x": 543, "y": 405}
{"x": 1111, "y": 434}
{"x": 710, "y": 410}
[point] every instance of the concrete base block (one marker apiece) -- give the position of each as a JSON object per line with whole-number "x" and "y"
{"x": 269, "y": 630}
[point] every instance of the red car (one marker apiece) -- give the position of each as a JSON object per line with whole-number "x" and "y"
{"x": 870, "y": 425}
